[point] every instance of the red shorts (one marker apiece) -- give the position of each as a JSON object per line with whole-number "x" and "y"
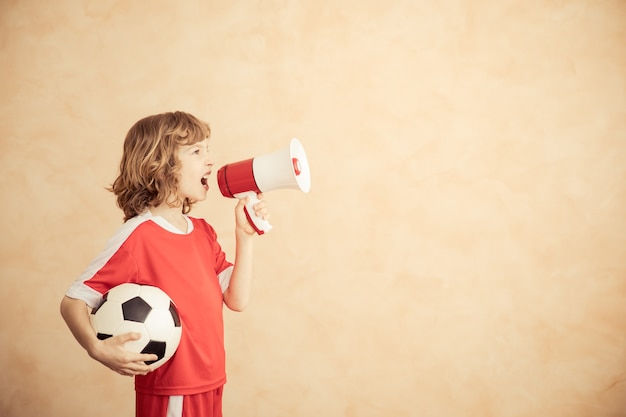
{"x": 206, "y": 404}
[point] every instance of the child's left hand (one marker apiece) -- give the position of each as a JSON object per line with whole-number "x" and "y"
{"x": 242, "y": 223}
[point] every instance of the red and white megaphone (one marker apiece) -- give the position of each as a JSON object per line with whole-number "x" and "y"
{"x": 285, "y": 168}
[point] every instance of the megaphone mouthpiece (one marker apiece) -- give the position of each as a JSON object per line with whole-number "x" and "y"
{"x": 236, "y": 178}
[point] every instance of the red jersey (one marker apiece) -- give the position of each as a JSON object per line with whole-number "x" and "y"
{"x": 192, "y": 269}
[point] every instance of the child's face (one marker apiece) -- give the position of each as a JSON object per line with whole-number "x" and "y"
{"x": 196, "y": 165}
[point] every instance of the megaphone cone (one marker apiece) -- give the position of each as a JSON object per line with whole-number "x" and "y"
{"x": 285, "y": 168}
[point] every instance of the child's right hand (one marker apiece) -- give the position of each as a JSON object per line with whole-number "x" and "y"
{"x": 112, "y": 354}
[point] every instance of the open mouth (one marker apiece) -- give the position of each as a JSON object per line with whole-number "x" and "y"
{"x": 205, "y": 181}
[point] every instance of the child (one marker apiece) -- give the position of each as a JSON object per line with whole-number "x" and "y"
{"x": 163, "y": 172}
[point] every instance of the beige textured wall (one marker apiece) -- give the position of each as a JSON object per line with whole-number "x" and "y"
{"x": 462, "y": 251}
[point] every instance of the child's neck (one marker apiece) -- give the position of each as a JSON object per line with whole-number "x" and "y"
{"x": 174, "y": 215}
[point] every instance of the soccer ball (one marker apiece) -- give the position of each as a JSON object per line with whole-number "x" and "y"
{"x": 143, "y": 309}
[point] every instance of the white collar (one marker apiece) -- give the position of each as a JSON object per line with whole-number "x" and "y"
{"x": 167, "y": 225}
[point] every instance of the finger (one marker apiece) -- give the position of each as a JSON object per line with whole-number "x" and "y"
{"x": 132, "y": 357}
{"x": 122, "y": 371}
{"x": 148, "y": 357}
{"x": 126, "y": 337}
{"x": 142, "y": 369}
{"x": 262, "y": 212}
{"x": 260, "y": 206}
{"x": 132, "y": 372}
{"x": 260, "y": 209}
{"x": 137, "y": 368}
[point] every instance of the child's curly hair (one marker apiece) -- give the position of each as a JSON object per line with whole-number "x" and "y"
{"x": 149, "y": 167}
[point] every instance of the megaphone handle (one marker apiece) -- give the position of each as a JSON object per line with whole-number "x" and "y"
{"x": 259, "y": 224}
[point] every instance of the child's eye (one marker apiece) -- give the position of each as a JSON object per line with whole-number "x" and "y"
{"x": 196, "y": 152}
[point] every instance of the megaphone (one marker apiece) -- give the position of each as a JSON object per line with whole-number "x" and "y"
{"x": 285, "y": 168}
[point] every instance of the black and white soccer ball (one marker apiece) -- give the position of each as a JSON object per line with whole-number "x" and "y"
{"x": 143, "y": 309}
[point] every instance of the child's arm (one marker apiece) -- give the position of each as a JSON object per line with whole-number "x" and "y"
{"x": 237, "y": 295}
{"x": 109, "y": 352}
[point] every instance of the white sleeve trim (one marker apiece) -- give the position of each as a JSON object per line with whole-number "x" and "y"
{"x": 79, "y": 289}
{"x": 224, "y": 278}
